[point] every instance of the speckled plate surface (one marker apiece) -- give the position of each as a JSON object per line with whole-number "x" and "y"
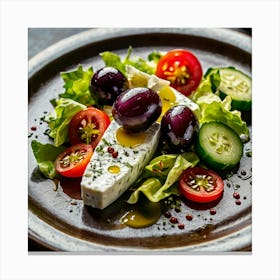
{"x": 57, "y": 217}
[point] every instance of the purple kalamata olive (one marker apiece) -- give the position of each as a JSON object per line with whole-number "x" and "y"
{"x": 137, "y": 109}
{"x": 107, "y": 84}
{"x": 179, "y": 128}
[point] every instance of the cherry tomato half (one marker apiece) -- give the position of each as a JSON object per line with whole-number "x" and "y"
{"x": 201, "y": 185}
{"x": 88, "y": 126}
{"x": 182, "y": 69}
{"x": 73, "y": 161}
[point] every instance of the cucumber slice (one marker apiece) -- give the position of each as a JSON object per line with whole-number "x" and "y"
{"x": 219, "y": 146}
{"x": 238, "y": 86}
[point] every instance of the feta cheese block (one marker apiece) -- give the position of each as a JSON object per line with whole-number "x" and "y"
{"x": 114, "y": 167}
{"x": 181, "y": 99}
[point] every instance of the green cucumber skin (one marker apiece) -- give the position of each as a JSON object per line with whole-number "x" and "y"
{"x": 211, "y": 161}
{"x": 241, "y": 105}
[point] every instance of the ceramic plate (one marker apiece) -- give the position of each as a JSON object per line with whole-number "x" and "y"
{"x": 59, "y": 221}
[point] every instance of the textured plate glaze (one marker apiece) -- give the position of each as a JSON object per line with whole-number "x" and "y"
{"x": 58, "y": 219}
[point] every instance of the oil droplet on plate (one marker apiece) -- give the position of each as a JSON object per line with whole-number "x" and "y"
{"x": 130, "y": 139}
{"x": 142, "y": 214}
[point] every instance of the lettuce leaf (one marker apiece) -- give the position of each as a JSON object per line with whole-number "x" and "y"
{"x": 77, "y": 84}
{"x": 183, "y": 161}
{"x": 159, "y": 167}
{"x": 45, "y": 155}
{"x": 219, "y": 112}
{"x": 112, "y": 59}
{"x": 207, "y": 89}
{"x": 153, "y": 188}
{"x": 155, "y": 56}
{"x": 149, "y": 188}
{"x": 60, "y": 117}
{"x": 212, "y": 108}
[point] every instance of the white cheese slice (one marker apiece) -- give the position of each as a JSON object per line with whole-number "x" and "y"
{"x": 137, "y": 78}
{"x": 181, "y": 99}
{"x": 99, "y": 186}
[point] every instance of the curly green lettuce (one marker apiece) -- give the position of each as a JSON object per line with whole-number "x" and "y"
{"x": 218, "y": 111}
{"x": 76, "y": 85}
{"x": 164, "y": 172}
{"x": 45, "y": 155}
{"x": 60, "y": 117}
{"x": 212, "y": 108}
{"x": 148, "y": 66}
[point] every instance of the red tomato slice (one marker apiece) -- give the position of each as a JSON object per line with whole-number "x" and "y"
{"x": 182, "y": 69}
{"x": 201, "y": 185}
{"x": 88, "y": 126}
{"x": 73, "y": 161}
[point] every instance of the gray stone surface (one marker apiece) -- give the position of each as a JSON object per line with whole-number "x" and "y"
{"x": 41, "y": 38}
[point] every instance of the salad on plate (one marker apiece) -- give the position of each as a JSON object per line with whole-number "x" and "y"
{"x": 160, "y": 130}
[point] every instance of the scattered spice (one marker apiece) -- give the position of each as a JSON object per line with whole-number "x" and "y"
{"x": 167, "y": 215}
{"x": 47, "y": 132}
{"x": 189, "y": 217}
{"x": 236, "y": 186}
{"x": 238, "y": 202}
{"x": 106, "y": 142}
{"x": 213, "y": 211}
{"x": 236, "y": 195}
{"x": 115, "y": 154}
{"x": 126, "y": 153}
{"x": 173, "y": 220}
{"x": 181, "y": 226}
{"x": 228, "y": 184}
